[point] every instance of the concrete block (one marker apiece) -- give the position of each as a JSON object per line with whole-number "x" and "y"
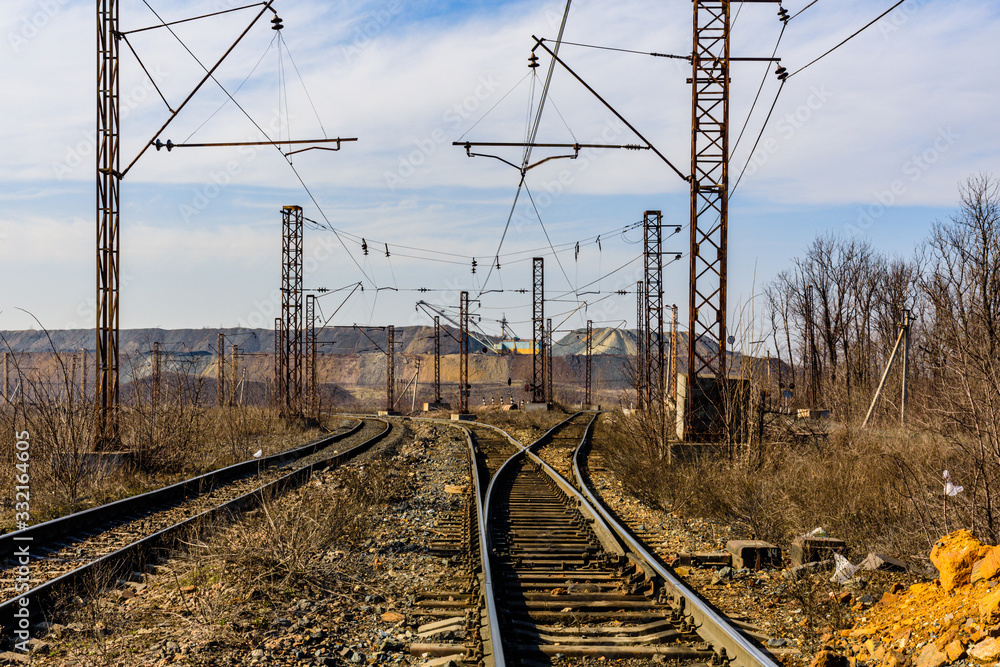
{"x": 428, "y": 407}
{"x": 387, "y": 413}
{"x": 812, "y": 549}
{"x": 883, "y": 563}
{"x": 754, "y": 554}
{"x": 462, "y": 417}
{"x": 536, "y": 407}
{"x": 700, "y": 558}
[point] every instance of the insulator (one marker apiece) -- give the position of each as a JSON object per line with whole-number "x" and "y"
{"x": 364, "y": 247}
{"x": 781, "y": 73}
{"x": 276, "y": 23}
{"x": 498, "y": 263}
{"x": 387, "y": 250}
{"x": 533, "y": 61}
{"x": 783, "y": 14}
{"x": 474, "y": 264}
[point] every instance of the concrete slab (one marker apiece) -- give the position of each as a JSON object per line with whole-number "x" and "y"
{"x": 882, "y": 562}
{"x": 388, "y": 413}
{"x": 537, "y": 407}
{"x": 428, "y": 407}
{"x": 703, "y": 558}
{"x": 754, "y": 554}
{"x": 462, "y": 417}
{"x": 812, "y": 549}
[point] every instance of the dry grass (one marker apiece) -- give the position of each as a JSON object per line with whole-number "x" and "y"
{"x": 877, "y": 491}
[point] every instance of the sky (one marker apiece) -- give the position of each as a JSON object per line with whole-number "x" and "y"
{"x": 873, "y": 141}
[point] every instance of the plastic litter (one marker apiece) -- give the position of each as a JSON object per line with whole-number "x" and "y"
{"x": 949, "y": 488}
{"x": 843, "y": 570}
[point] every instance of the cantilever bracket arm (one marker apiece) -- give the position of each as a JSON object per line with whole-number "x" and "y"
{"x": 576, "y": 150}
{"x": 539, "y": 43}
{"x": 169, "y": 145}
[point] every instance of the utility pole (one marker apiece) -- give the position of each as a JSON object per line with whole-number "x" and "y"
{"x": 463, "y": 363}
{"x": 279, "y": 372}
{"x": 108, "y": 243}
{"x": 156, "y": 373}
{"x": 220, "y": 370}
{"x": 904, "y": 332}
{"x": 437, "y": 359}
{"x": 588, "y": 396}
{"x": 812, "y": 358}
{"x": 652, "y": 226}
{"x": 907, "y": 320}
{"x": 640, "y": 344}
{"x": 538, "y": 330}
{"x": 233, "y": 368}
{"x": 291, "y": 306}
{"x": 550, "y": 395}
{"x": 71, "y": 385}
{"x": 673, "y": 357}
{"x": 6, "y": 376}
{"x": 83, "y": 375}
{"x": 311, "y": 354}
{"x": 390, "y": 368}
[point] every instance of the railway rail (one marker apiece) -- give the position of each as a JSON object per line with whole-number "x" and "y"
{"x": 562, "y": 577}
{"x": 113, "y": 540}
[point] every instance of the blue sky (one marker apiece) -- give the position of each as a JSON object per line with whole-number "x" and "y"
{"x": 872, "y": 140}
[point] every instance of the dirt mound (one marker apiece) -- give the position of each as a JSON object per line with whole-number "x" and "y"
{"x": 933, "y": 624}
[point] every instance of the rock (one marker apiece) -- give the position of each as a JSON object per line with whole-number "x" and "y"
{"x": 986, "y": 567}
{"x": 988, "y": 650}
{"x": 954, "y": 555}
{"x": 882, "y": 563}
{"x": 829, "y": 659}
{"x": 776, "y": 642}
{"x": 931, "y": 657}
{"x": 954, "y": 650}
{"x": 989, "y": 607}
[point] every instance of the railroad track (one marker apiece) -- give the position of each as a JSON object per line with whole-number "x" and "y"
{"x": 114, "y": 540}
{"x": 561, "y": 578}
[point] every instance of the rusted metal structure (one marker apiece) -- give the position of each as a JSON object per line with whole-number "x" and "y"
{"x": 291, "y": 307}
{"x": 538, "y": 330}
{"x": 652, "y": 225}
{"x": 549, "y": 394}
{"x": 709, "y": 210}
{"x": 673, "y": 356}
{"x": 640, "y": 345}
{"x": 587, "y": 395}
{"x": 279, "y": 374}
{"x": 390, "y": 368}
{"x": 156, "y": 373}
{"x": 234, "y": 366}
{"x": 463, "y": 347}
{"x": 108, "y": 243}
{"x": 220, "y": 370}
{"x": 437, "y": 359}
{"x": 311, "y": 355}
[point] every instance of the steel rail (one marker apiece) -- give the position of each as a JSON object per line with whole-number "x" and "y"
{"x": 713, "y": 626}
{"x": 73, "y": 523}
{"x": 124, "y": 560}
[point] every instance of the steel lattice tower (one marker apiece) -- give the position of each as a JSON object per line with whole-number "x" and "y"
{"x": 652, "y": 226}
{"x": 279, "y": 373}
{"x": 549, "y": 394}
{"x": 538, "y": 330}
{"x": 709, "y": 200}
{"x": 640, "y": 345}
{"x": 437, "y": 359}
{"x": 108, "y": 243}
{"x": 590, "y": 353}
{"x": 311, "y": 354}
{"x": 463, "y": 382}
{"x": 291, "y": 306}
{"x": 390, "y": 368}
